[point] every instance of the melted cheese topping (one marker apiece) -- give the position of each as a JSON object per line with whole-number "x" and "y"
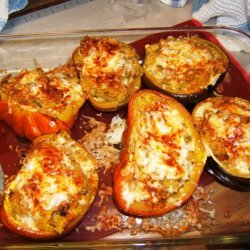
{"x": 49, "y": 92}
{"x": 115, "y": 132}
{"x": 110, "y": 64}
{"x": 225, "y": 129}
{"x": 58, "y": 178}
{"x": 184, "y": 65}
{"x": 163, "y": 156}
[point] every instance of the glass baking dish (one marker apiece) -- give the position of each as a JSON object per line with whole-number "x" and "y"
{"x": 224, "y": 211}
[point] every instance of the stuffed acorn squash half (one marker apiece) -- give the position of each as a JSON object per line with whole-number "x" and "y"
{"x": 224, "y": 126}
{"x": 37, "y": 102}
{"x": 162, "y": 159}
{"x": 184, "y": 67}
{"x": 109, "y": 71}
{"x": 53, "y": 190}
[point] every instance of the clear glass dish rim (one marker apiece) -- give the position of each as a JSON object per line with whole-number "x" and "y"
{"x": 220, "y": 239}
{"x": 237, "y": 239}
{"x": 124, "y": 30}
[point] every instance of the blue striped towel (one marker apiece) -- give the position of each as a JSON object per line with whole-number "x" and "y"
{"x": 7, "y": 7}
{"x": 232, "y": 13}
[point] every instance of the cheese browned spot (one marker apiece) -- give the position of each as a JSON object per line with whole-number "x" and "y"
{"x": 54, "y": 188}
{"x": 224, "y": 125}
{"x": 184, "y": 65}
{"x": 56, "y": 93}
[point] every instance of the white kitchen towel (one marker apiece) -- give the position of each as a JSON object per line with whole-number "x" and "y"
{"x": 175, "y": 3}
{"x": 7, "y": 7}
{"x": 232, "y": 13}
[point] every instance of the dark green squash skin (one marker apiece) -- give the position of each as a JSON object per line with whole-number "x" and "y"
{"x": 227, "y": 179}
{"x": 185, "y": 99}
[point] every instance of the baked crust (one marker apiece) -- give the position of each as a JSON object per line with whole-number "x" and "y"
{"x": 184, "y": 67}
{"x": 52, "y": 191}
{"x": 109, "y": 70}
{"x": 224, "y": 126}
{"x": 35, "y": 102}
{"x": 162, "y": 159}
